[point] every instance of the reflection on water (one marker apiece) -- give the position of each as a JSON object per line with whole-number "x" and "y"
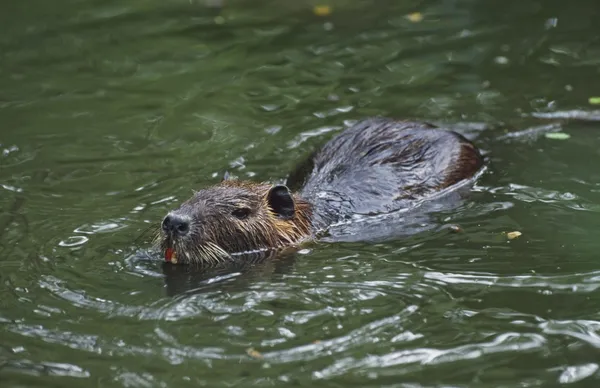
{"x": 112, "y": 113}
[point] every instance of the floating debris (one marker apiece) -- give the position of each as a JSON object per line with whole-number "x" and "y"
{"x": 569, "y": 115}
{"x": 557, "y": 136}
{"x": 455, "y": 228}
{"x": 254, "y": 353}
{"x": 533, "y": 132}
{"x": 322, "y": 10}
{"x": 513, "y": 235}
{"x": 594, "y": 100}
{"x": 415, "y": 17}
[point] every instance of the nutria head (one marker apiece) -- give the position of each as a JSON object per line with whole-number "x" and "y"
{"x": 234, "y": 217}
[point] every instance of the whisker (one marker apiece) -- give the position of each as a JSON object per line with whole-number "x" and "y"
{"x": 151, "y": 229}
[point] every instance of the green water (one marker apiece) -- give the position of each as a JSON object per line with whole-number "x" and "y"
{"x": 111, "y": 112}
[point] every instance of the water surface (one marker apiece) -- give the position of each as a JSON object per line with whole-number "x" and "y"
{"x": 112, "y": 112}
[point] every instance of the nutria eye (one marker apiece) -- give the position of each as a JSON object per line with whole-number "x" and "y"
{"x": 241, "y": 213}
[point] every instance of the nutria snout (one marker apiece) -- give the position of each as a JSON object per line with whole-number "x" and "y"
{"x": 376, "y": 166}
{"x": 176, "y": 225}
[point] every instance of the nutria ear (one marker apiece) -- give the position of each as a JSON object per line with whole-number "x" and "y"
{"x": 281, "y": 201}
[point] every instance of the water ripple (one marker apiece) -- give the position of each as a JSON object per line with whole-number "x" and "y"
{"x": 567, "y": 283}
{"x": 584, "y": 330}
{"x": 507, "y": 342}
{"x": 115, "y": 346}
{"x": 46, "y": 368}
{"x": 112, "y": 114}
{"x": 573, "y": 374}
{"x": 355, "y": 338}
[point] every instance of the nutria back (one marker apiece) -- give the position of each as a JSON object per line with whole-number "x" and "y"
{"x": 380, "y": 165}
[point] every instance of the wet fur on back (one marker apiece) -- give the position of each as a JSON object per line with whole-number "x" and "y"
{"x": 376, "y": 166}
{"x": 379, "y": 165}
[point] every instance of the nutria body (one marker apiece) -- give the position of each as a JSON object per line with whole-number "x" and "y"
{"x": 376, "y": 166}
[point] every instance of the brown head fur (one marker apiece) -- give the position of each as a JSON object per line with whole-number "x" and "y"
{"x": 234, "y": 217}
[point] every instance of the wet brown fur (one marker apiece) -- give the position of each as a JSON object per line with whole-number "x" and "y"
{"x": 468, "y": 164}
{"x": 265, "y": 229}
{"x": 377, "y": 165}
{"x": 277, "y": 232}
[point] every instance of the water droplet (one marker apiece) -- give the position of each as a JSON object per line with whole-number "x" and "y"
{"x": 273, "y": 130}
{"x": 270, "y": 107}
{"x": 551, "y": 23}
{"x": 501, "y": 60}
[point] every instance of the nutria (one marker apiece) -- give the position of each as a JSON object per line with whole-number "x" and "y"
{"x": 376, "y": 166}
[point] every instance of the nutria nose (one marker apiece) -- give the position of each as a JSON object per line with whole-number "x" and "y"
{"x": 176, "y": 225}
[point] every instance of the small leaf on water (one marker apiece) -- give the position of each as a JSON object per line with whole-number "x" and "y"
{"x": 558, "y": 136}
{"x": 415, "y": 17}
{"x": 455, "y": 228}
{"x": 322, "y": 10}
{"x": 594, "y": 100}
{"x": 253, "y": 353}
{"x": 513, "y": 235}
